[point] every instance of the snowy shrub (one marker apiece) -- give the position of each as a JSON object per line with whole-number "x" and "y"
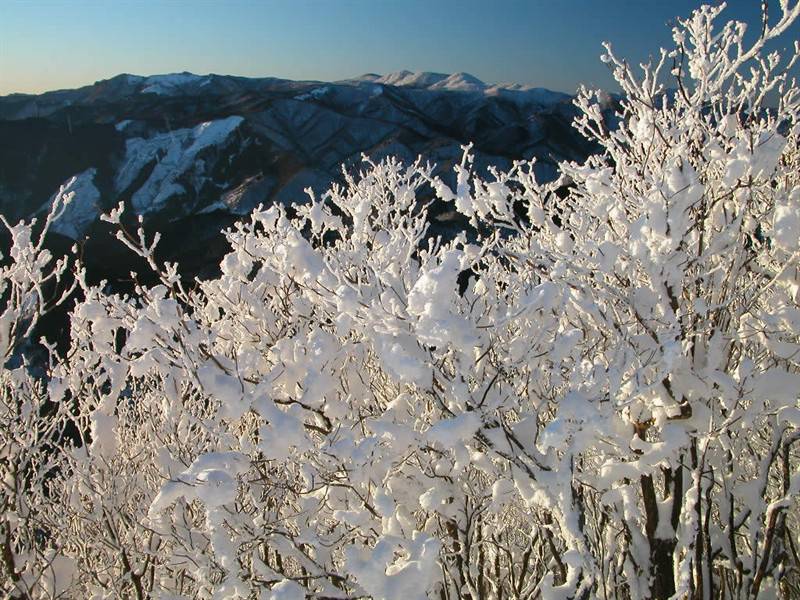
{"x": 31, "y": 426}
{"x": 590, "y": 396}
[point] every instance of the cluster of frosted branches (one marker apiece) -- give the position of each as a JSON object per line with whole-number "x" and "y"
{"x": 590, "y": 395}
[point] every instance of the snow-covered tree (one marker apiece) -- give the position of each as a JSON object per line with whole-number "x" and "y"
{"x": 31, "y": 426}
{"x": 590, "y": 394}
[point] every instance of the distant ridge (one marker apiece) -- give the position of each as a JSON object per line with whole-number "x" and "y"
{"x": 173, "y": 84}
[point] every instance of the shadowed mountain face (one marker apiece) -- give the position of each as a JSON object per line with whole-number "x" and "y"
{"x": 191, "y": 153}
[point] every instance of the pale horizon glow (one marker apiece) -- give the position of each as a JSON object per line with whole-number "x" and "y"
{"x": 48, "y": 45}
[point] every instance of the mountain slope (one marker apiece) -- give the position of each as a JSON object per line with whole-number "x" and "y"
{"x": 194, "y": 152}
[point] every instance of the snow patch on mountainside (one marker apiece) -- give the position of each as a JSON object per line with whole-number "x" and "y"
{"x": 176, "y": 154}
{"x": 463, "y": 82}
{"x": 82, "y": 210}
{"x": 170, "y": 83}
{"x": 460, "y": 82}
{"x": 421, "y": 79}
{"x": 528, "y": 94}
{"x": 314, "y": 94}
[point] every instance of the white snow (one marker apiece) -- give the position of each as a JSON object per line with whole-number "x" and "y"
{"x": 83, "y": 208}
{"x": 464, "y": 82}
{"x": 122, "y": 125}
{"x": 526, "y": 94}
{"x": 461, "y": 82}
{"x": 429, "y": 302}
{"x": 224, "y": 388}
{"x": 167, "y": 84}
{"x": 433, "y": 81}
{"x": 211, "y": 478}
{"x": 176, "y": 153}
{"x": 786, "y": 222}
{"x": 403, "y": 359}
{"x": 396, "y": 568}
{"x": 449, "y": 432}
{"x": 421, "y": 79}
{"x": 314, "y": 94}
{"x": 287, "y": 590}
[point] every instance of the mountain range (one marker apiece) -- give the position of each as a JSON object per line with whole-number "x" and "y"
{"x": 193, "y": 153}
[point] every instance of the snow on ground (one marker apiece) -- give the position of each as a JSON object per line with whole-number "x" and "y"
{"x": 176, "y": 153}
{"x": 82, "y": 210}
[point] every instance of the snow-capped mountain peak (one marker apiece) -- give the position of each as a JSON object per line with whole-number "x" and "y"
{"x": 463, "y": 82}
{"x": 455, "y": 82}
{"x": 418, "y": 79}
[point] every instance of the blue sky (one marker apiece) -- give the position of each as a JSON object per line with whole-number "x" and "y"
{"x": 555, "y": 44}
